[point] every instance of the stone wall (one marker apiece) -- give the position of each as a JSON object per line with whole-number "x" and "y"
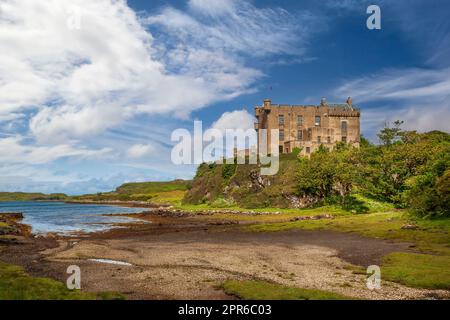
{"x": 309, "y": 126}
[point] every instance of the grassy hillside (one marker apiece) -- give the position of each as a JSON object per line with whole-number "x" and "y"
{"x": 156, "y": 192}
{"x": 22, "y": 196}
{"x": 152, "y": 187}
{"x": 411, "y": 170}
{"x": 242, "y": 185}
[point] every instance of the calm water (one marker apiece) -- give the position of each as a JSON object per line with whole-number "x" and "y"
{"x": 65, "y": 218}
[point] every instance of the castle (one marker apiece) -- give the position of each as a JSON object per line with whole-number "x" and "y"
{"x": 309, "y": 126}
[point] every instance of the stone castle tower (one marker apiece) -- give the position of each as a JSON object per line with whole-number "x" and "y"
{"x": 309, "y": 126}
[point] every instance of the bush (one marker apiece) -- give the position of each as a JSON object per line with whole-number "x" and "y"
{"x": 228, "y": 170}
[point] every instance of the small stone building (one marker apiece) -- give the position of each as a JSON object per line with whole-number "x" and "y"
{"x": 309, "y": 126}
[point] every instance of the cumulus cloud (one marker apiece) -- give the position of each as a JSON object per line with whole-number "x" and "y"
{"x": 112, "y": 68}
{"x": 214, "y": 39}
{"x": 238, "y": 119}
{"x": 73, "y": 72}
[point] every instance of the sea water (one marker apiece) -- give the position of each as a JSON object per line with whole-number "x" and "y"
{"x": 68, "y": 218}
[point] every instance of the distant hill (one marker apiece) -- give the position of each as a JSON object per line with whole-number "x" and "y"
{"x": 151, "y": 187}
{"x": 157, "y": 192}
{"x": 24, "y": 196}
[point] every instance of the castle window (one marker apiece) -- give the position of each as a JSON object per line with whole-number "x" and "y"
{"x": 309, "y": 134}
{"x": 344, "y": 127}
{"x": 317, "y": 121}
{"x": 299, "y": 135}
{"x": 281, "y": 135}
{"x": 308, "y": 150}
{"x": 281, "y": 119}
{"x": 319, "y": 138}
{"x": 329, "y": 139}
{"x": 344, "y": 139}
{"x": 300, "y": 120}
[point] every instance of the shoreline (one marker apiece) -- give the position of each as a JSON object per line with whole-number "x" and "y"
{"x": 13, "y": 227}
{"x": 189, "y": 256}
{"x": 127, "y": 204}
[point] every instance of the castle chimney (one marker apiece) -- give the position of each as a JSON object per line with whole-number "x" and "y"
{"x": 267, "y": 103}
{"x": 323, "y": 101}
{"x": 349, "y": 101}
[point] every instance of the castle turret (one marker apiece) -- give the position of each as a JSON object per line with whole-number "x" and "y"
{"x": 349, "y": 101}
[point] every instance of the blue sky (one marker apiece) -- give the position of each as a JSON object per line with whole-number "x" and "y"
{"x": 90, "y": 92}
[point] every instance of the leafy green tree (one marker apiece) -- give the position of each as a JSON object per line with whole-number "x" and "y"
{"x": 327, "y": 173}
{"x": 429, "y": 192}
{"x": 388, "y": 135}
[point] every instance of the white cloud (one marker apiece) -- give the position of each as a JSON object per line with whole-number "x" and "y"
{"x": 238, "y": 119}
{"x": 213, "y": 7}
{"x": 65, "y": 90}
{"x": 420, "y": 97}
{"x": 400, "y": 84}
{"x": 238, "y": 26}
{"x": 140, "y": 150}
{"x": 84, "y": 81}
{"x": 14, "y": 150}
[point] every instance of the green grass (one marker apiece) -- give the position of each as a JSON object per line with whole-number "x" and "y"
{"x": 417, "y": 270}
{"x": 334, "y": 210}
{"x": 261, "y": 290}
{"x": 277, "y": 216}
{"x": 412, "y": 269}
{"x": 152, "y": 187}
{"x": 23, "y": 196}
{"x": 432, "y": 235}
{"x": 170, "y": 192}
{"x": 15, "y": 284}
{"x": 373, "y": 205}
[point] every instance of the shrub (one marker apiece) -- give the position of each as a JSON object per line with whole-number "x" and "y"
{"x": 228, "y": 170}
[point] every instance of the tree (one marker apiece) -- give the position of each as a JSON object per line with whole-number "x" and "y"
{"x": 429, "y": 192}
{"x": 328, "y": 173}
{"x": 390, "y": 135}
